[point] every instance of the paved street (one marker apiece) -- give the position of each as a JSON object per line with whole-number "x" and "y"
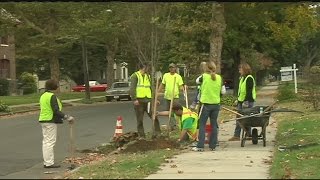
{"x": 21, "y": 154}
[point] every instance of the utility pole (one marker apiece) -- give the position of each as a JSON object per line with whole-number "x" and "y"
{"x": 85, "y": 67}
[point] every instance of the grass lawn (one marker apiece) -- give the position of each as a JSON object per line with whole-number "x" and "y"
{"x": 125, "y": 166}
{"x": 34, "y": 98}
{"x": 297, "y": 129}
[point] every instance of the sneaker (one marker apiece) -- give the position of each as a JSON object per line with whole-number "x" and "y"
{"x": 52, "y": 166}
{"x": 194, "y": 144}
{"x": 234, "y": 138}
{"x": 197, "y": 149}
{"x": 212, "y": 149}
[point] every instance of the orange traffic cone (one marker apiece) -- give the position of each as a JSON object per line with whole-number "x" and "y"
{"x": 118, "y": 132}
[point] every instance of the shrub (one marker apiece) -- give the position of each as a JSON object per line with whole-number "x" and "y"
{"x": 4, "y": 107}
{"x": 313, "y": 88}
{"x": 286, "y": 92}
{"x": 28, "y": 83}
{"x": 4, "y": 87}
{"x": 228, "y": 100}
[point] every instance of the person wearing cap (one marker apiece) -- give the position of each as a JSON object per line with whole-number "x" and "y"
{"x": 140, "y": 93}
{"x": 187, "y": 121}
{"x": 168, "y": 85}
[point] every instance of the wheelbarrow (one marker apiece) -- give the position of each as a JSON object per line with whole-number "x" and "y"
{"x": 254, "y": 117}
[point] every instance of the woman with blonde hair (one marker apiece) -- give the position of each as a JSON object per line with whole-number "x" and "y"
{"x": 211, "y": 84}
{"x": 246, "y": 93}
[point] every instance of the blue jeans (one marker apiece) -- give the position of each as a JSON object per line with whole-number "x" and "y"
{"x": 208, "y": 111}
{"x": 237, "y": 130}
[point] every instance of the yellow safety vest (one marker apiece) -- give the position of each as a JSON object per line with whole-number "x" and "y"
{"x": 46, "y": 112}
{"x": 243, "y": 88}
{"x": 143, "y": 89}
{"x": 210, "y": 89}
{"x": 186, "y": 113}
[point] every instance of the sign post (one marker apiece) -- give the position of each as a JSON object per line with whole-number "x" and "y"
{"x": 286, "y": 75}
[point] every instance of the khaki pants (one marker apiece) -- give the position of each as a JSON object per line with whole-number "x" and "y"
{"x": 49, "y": 133}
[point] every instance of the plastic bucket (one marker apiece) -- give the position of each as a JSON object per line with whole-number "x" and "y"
{"x": 208, "y": 133}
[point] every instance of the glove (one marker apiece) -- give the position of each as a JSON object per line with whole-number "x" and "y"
{"x": 69, "y": 118}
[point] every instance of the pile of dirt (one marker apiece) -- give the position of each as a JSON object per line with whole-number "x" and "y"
{"x": 148, "y": 145}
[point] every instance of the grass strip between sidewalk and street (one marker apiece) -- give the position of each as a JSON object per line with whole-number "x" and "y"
{"x": 125, "y": 166}
{"x": 294, "y": 129}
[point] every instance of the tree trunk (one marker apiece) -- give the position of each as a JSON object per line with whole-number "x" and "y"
{"x": 235, "y": 72}
{"x": 55, "y": 68}
{"x": 218, "y": 26}
{"x": 111, "y": 52}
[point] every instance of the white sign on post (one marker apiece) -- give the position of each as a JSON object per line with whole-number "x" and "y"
{"x": 286, "y": 75}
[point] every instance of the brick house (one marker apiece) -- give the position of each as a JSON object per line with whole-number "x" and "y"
{"x": 7, "y": 53}
{"x": 7, "y": 58}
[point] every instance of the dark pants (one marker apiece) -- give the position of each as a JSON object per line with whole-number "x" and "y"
{"x": 237, "y": 130}
{"x": 208, "y": 111}
{"x": 172, "y": 121}
{"x": 140, "y": 109}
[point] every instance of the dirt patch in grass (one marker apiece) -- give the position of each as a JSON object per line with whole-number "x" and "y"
{"x": 148, "y": 145}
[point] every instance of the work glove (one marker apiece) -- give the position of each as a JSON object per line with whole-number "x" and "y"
{"x": 69, "y": 118}
{"x": 235, "y": 103}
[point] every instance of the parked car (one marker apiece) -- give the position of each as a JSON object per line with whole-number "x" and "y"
{"x": 118, "y": 91}
{"x": 94, "y": 87}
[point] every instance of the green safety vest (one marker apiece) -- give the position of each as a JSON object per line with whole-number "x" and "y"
{"x": 143, "y": 86}
{"x": 243, "y": 88}
{"x": 210, "y": 89}
{"x": 46, "y": 112}
{"x": 186, "y": 113}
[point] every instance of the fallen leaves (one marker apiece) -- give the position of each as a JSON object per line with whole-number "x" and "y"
{"x": 86, "y": 159}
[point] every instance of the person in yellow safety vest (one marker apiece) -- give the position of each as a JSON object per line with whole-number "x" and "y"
{"x": 50, "y": 115}
{"x": 246, "y": 93}
{"x": 168, "y": 85}
{"x": 186, "y": 119}
{"x": 211, "y": 85}
{"x": 140, "y": 93}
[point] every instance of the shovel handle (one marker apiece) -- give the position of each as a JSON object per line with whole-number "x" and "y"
{"x": 232, "y": 111}
{"x": 270, "y": 106}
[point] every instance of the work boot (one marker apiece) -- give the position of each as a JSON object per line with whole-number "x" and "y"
{"x": 52, "y": 166}
{"x": 234, "y": 138}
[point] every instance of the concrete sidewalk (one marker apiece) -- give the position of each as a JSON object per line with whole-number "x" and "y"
{"x": 230, "y": 160}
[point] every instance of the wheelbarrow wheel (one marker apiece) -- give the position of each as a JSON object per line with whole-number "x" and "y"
{"x": 254, "y": 136}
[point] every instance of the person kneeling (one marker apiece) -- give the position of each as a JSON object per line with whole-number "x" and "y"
{"x": 186, "y": 119}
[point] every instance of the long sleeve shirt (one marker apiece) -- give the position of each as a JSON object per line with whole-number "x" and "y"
{"x": 133, "y": 88}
